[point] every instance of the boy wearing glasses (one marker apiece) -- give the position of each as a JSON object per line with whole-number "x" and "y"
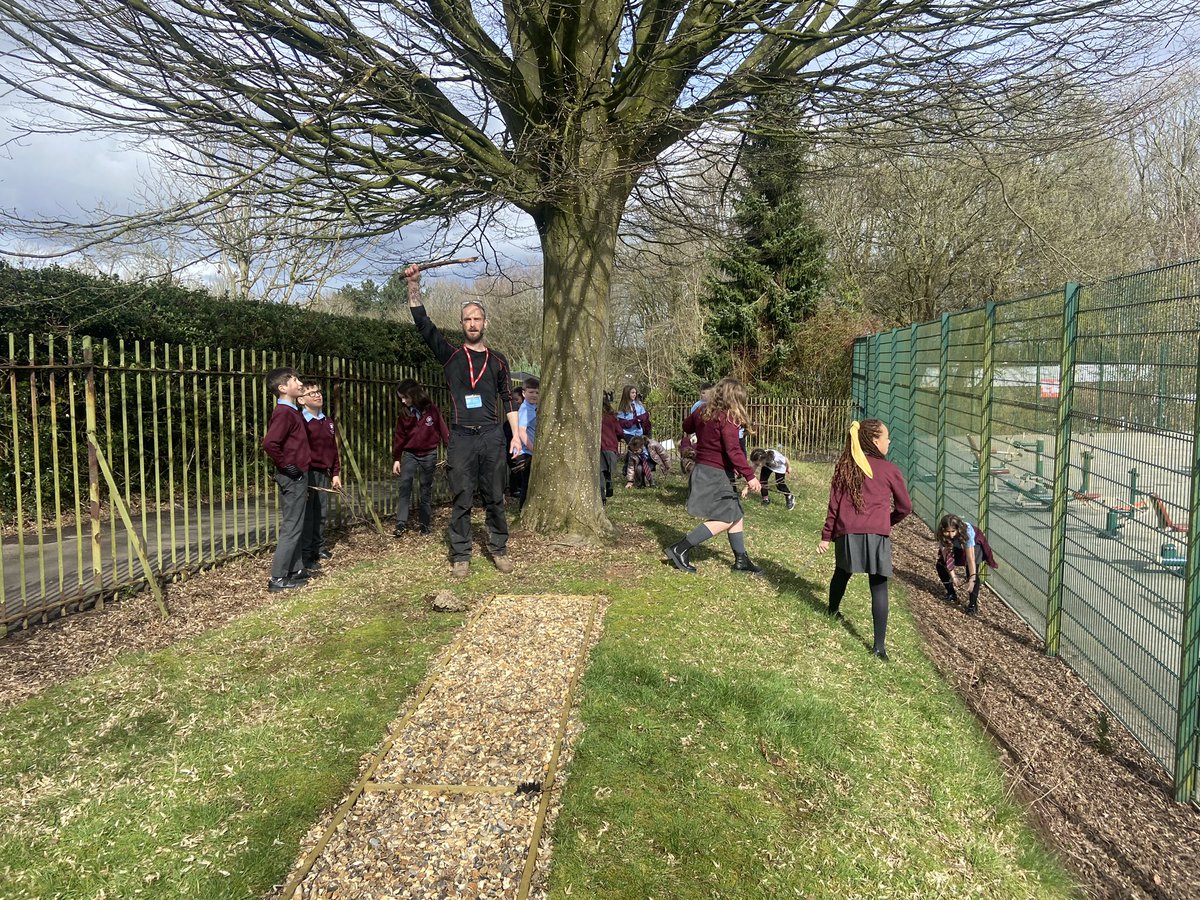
{"x": 480, "y": 399}
{"x": 325, "y": 474}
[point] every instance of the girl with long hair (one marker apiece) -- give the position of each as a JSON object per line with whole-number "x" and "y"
{"x": 867, "y": 496}
{"x": 711, "y": 495}
{"x": 419, "y": 431}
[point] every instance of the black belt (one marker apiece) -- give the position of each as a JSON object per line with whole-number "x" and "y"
{"x": 472, "y": 429}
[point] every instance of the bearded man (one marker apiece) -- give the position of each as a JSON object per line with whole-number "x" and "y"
{"x": 480, "y": 394}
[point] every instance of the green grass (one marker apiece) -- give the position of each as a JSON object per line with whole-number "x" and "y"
{"x": 738, "y": 743}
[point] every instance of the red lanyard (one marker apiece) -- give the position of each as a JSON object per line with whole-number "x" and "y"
{"x": 486, "y": 355}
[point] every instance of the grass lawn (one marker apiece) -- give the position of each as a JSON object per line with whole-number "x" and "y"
{"x": 738, "y": 742}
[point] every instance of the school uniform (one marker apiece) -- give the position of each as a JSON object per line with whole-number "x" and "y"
{"x": 862, "y": 539}
{"x": 519, "y": 482}
{"x": 326, "y": 465}
{"x": 610, "y": 442}
{"x": 286, "y": 443}
{"x": 415, "y": 441}
{"x": 711, "y": 495}
{"x": 975, "y": 544}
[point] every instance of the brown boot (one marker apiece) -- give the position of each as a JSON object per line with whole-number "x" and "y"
{"x": 504, "y": 565}
{"x": 460, "y": 568}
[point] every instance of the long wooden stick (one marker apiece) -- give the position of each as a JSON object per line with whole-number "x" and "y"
{"x": 421, "y": 267}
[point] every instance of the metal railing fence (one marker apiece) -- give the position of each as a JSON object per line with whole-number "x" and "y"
{"x": 1065, "y": 424}
{"x": 124, "y": 458}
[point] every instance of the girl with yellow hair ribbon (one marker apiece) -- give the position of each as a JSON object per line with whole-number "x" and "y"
{"x": 866, "y": 498}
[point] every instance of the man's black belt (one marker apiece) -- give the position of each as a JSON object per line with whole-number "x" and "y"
{"x": 472, "y": 429}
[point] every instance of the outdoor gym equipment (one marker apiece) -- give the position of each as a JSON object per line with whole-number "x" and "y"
{"x": 1118, "y": 510}
{"x": 1164, "y": 517}
{"x": 1037, "y": 494}
{"x": 1171, "y": 559}
{"x": 1038, "y": 448}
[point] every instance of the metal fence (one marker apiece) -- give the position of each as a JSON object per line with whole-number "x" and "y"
{"x": 124, "y": 458}
{"x": 1065, "y": 424}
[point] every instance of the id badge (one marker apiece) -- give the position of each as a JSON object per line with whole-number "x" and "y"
{"x": 473, "y": 401}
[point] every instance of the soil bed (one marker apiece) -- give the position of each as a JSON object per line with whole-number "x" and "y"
{"x": 1103, "y": 802}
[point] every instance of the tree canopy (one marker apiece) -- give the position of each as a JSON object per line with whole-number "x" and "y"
{"x": 365, "y": 117}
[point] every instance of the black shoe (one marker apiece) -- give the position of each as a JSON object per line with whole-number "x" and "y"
{"x": 325, "y": 554}
{"x": 972, "y": 609}
{"x": 399, "y": 530}
{"x": 743, "y": 563}
{"x": 766, "y": 501}
{"x": 275, "y": 585}
{"x": 677, "y": 554}
{"x": 301, "y": 576}
{"x": 791, "y": 501}
{"x": 951, "y": 597}
{"x": 835, "y": 614}
{"x": 313, "y": 566}
{"x": 424, "y": 529}
{"x": 881, "y": 655}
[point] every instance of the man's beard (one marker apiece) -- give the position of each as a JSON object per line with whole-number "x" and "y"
{"x": 474, "y": 338}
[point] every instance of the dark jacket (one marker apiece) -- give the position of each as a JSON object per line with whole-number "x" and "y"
{"x": 610, "y": 433}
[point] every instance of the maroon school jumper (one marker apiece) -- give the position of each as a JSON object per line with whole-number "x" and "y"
{"x": 717, "y": 443}
{"x": 286, "y": 440}
{"x": 610, "y": 432}
{"x": 420, "y": 433}
{"x": 885, "y": 502}
{"x": 322, "y": 443}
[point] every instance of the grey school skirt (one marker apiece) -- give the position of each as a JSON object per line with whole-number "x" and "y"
{"x": 869, "y": 553}
{"x": 712, "y": 496}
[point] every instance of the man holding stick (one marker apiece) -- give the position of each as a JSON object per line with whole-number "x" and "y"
{"x": 479, "y": 383}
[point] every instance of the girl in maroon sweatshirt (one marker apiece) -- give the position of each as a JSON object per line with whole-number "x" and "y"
{"x": 610, "y": 442}
{"x": 711, "y": 494}
{"x": 419, "y": 431}
{"x": 866, "y": 498}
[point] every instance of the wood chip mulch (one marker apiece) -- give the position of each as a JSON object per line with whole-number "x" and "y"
{"x": 1105, "y": 805}
{"x": 450, "y": 806}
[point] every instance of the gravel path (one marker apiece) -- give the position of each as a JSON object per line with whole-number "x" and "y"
{"x": 453, "y": 804}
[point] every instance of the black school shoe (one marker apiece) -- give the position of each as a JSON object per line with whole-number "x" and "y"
{"x": 880, "y": 655}
{"x": 325, "y": 554}
{"x": 399, "y": 530}
{"x": 677, "y": 554}
{"x": 972, "y": 609}
{"x": 791, "y": 501}
{"x": 276, "y": 585}
{"x": 743, "y": 563}
{"x": 424, "y": 529}
{"x": 300, "y": 577}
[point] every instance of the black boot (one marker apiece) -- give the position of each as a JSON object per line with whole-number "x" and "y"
{"x": 678, "y": 555}
{"x": 743, "y": 563}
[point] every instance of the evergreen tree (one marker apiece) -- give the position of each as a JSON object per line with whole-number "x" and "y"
{"x": 771, "y": 273}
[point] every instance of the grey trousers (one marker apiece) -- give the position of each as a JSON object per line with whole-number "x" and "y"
{"x": 293, "y": 497}
{"x": 316, "y": 511}
{"x": 410, "y": 465}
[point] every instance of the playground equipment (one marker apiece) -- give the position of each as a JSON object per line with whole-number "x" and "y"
{"x": 1038, "y": 448}
{"x": 1171, "y": 559}
{"x": 1035, "y": 494}
{"x": 1163, "y": 516}
{"x": 1118, "y": 510}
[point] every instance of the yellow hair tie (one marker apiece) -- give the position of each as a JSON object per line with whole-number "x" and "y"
{"x": 856, "y": 452}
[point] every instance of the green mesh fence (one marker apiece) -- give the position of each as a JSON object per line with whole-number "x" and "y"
{"x": 1096, "y": 540}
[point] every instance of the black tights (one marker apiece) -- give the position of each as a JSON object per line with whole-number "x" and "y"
{"x": 879, "y": 601}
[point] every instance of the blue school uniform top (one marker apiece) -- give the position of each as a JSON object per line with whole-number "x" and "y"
{"x": 527, "y": 419}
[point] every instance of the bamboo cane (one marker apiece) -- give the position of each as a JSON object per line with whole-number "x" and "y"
{"x": 435, "y": 264}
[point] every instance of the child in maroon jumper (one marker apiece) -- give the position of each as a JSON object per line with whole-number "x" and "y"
{"x": 324, "y": 476}
{"x": 286, "y": 443}
{"x": 610, "y": 443}
{"x": 711, "y": 495}
{"x": 419, "y": 431}
{"x": 866, "y": 498}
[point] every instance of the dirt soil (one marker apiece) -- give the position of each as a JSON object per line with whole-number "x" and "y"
{"x": 1104, "y": 803}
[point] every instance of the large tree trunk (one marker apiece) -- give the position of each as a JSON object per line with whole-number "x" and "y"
{"x": 579, "y": 242}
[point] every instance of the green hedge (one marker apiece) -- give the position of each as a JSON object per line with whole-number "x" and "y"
{"x": 61, "y": 301}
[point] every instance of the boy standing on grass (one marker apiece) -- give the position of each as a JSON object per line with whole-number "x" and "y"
{"x": 527, "y": 432}
{"x": 286, "y": 443}
{"x": 324, "y": 475}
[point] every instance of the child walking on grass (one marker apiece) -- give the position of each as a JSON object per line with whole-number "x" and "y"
{"x": 866, "y": 498}
{"x": 711, "y": 495}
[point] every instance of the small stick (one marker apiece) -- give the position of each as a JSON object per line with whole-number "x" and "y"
{"x": 313, "y": 487}
{"x": 421, "y": 267}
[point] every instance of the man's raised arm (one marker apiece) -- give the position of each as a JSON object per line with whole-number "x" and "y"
{"x": 437, "y": 343}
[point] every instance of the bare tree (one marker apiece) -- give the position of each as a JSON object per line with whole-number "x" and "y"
{"x": 370, "y": 116}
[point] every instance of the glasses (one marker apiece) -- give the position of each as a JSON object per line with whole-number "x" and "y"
{"x": 482, "y": 309}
